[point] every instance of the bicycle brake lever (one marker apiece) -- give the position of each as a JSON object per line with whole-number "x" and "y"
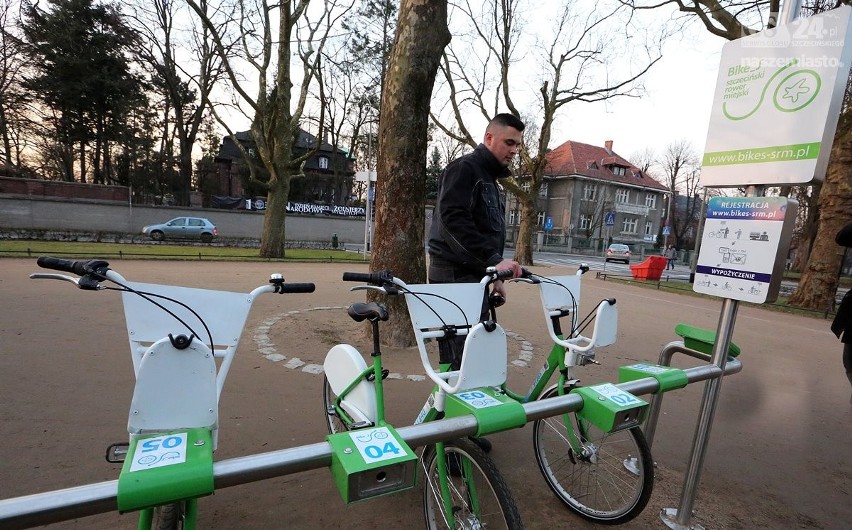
{"x": 368, "y": 287}
{"x": 525, "y": 280}
{"x": 50, "y": 276}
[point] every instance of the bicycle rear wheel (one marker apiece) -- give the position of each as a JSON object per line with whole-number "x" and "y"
{"x": 609, "y": 482}
{"x": 332, "y": 420}
{"x": 168, "y": 517}
{"x": 479, "y": 495}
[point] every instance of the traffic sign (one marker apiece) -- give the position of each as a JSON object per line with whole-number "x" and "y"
{"x": 548, "y": 224}
{"x": 609, "y": 220}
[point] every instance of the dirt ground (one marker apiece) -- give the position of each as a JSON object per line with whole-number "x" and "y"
{"x": 779, "y": 453}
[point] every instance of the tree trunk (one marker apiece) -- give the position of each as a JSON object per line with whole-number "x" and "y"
{"x": 526, "y": 231}
{"x": 82, "y": 163}
{"x": 809, "y": 230}
{"x": 185, "y": 172}
{"x": 819, "y": 282}
{"x": 421, "y": 36}
{"x": 274, "y": 219}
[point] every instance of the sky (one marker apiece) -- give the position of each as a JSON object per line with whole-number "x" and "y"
{"x": 679, "y": 94}
{"x": 676, "y": 104}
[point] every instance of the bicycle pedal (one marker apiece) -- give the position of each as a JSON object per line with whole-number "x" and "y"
{"x": 117, "y": 452}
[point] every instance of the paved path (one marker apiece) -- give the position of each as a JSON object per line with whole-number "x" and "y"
{"x": 779, "y": 449}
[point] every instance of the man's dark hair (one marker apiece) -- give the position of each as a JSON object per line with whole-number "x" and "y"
{"x": 507, "y": 120}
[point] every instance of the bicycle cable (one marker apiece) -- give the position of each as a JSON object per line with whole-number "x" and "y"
{"x": 145, "y": 296}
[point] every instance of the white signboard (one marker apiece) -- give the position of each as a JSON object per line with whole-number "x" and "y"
{"x": 375, "y": 445}
{"x": 744, "y": 247}
{"x": 161, "y": 451}
{"x": 777, "y": 100}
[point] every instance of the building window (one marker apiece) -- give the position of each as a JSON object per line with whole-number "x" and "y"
{"x": 539, "y": 219}
{"x": 629, "y": 226}
{"x": 323, "y": 162}
{"x": 542, "y": 192}
{"x": 512, "y": 217}
{"x": 590, "y": 192}
{"x": 585, "y": 222}
{"x": 618, "y": 170}
{"x": 525, "y": 186}
{"x": 649, "y": 228}
{"x": 651, "y": 201}
{"x": 622, "y": 195}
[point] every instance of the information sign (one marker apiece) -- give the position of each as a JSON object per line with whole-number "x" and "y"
{"x": 744, "y": 247}
{"x": 777, "y": 101}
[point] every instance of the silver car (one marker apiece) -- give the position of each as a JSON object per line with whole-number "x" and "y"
{"x": 183, "y": 228}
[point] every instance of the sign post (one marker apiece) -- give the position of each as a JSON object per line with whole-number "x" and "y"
{"x": 774, "y": 116}
{"x": 369, "y": 177}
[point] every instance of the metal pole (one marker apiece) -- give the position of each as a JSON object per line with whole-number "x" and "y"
{"x": 61, "y": 505}
{"x": 680, "y": 518}
{"x": 693, "y": 262}
{"x": 790, "y": 10}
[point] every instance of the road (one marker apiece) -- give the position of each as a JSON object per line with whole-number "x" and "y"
{"x": 596, "y": 263}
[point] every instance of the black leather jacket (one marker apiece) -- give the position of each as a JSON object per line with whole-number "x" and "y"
{"x": 468, "y": 225}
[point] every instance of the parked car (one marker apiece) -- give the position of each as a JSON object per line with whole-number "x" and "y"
{"x": 618, "y": 252}
{"x": 183, "y": 228}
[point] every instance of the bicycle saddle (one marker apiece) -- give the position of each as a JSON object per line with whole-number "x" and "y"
{"x": 371, "y": 311}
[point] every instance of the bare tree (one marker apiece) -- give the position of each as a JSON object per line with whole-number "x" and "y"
{"x": 573, "y": 62}
{"x": 646, "y": 160}
{"x": 421, "y": 36}
{"x": 185, "y": 86}
{"x": 680, "y": 169}
{"x": 592, "y": 214}
{"x": 13, "y": 99}
{"x": 268, "y": 97}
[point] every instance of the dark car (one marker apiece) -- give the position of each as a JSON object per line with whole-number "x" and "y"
{"x": 183, "y": 228}
{"x": 618, "y": 252}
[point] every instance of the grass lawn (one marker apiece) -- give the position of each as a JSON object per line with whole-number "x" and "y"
{"x": 167, "y": 251}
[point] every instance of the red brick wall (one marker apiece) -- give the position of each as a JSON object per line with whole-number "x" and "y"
{"x": 66, "y": 190}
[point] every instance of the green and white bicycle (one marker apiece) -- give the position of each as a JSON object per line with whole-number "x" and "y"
{"x": 604, "y": 477}
{"x": 182, "y": 342}
{"x": 462, "y": 487}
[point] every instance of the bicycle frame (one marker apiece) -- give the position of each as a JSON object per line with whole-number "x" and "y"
{"x": 565, "y": 352}
{"x": 428, "y": 325}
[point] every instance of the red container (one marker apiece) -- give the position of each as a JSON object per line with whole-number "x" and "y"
{"x": 650, "y": 269}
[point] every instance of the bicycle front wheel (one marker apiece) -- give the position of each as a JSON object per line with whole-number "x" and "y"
{"x": 478, "y": 495}
{"x": 332, "y": 419}
{"x": 608, "y": 479}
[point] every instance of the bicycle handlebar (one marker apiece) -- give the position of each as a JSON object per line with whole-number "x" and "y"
{"x": 80, "y": 268}
{"x": 296, "y": 288}
{"x": 375, "y": 278}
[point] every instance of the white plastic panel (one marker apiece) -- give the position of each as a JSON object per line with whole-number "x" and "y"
{"x": 559, "y": 297}
{"x": 606, "y": 325}
{"x": 457, "y": 304}
{"x": 342, "y": 365}
{"x": 224, "y": 313}
{"x": 175, "y": 389}
{"x": 484, "y": 360}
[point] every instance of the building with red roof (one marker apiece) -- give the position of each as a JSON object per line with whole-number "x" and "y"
{"x": 590, "y": 193}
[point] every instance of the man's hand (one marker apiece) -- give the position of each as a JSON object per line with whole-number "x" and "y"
{"x": 511, "y": 265}
{"x": 499, "y": 292}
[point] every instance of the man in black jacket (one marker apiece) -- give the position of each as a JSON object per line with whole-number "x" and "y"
{"x": 468, "y": 225}
{"x": 842, "y": 324}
